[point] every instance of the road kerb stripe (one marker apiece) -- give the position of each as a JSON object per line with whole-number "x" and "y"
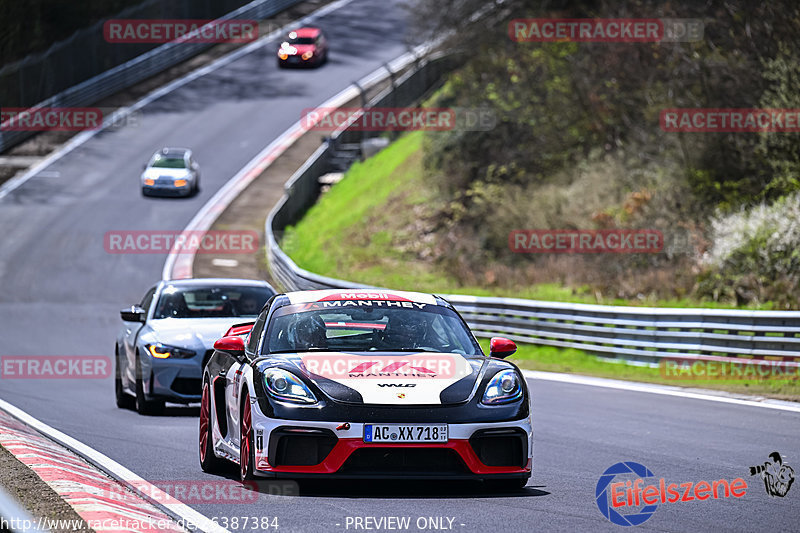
{"x": 179, "y": 265}
{"x": 152, "y": 496}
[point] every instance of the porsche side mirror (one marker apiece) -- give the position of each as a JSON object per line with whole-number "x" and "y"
{"x": 501, "y": 348}
{"x": 232, "y": 344}
{"x": 133, "y": 313}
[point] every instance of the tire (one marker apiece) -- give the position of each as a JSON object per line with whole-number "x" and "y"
{"x": 209, "y": 462}
{"x": 143, "y": 405}
{"x": 246, "y": 457}
{"x": 124, "y": 401}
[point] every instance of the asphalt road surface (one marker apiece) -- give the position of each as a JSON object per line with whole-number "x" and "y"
{"x": 60, "y": 293}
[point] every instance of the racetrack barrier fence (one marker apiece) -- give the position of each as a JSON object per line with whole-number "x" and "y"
{"x": 85, "y": 68}
{"x": 644, "y": 335}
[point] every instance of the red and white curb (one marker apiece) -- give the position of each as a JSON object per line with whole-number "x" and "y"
{"x": 91, "y": 483}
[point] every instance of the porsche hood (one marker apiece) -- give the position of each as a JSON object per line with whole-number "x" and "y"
{"x": 392, "y": 378}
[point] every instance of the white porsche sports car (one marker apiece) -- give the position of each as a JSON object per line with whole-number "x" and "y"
{"x": 365, "y": 383}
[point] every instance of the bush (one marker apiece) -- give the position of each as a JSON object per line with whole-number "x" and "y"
{"x": 755, "y": 256}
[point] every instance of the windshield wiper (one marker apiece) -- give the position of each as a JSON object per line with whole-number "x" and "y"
{"x": 300, "y": 351}
{"x": 408, "y": 350}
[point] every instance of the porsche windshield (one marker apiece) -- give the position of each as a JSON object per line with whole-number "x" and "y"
{"x": 368, "y": 326}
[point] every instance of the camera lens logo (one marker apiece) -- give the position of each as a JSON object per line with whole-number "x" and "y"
{"x": 603, "y": 496}
{"x": 777, "y": 475}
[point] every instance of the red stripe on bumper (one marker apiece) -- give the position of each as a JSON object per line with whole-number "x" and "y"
{"x": 345, "y": 447}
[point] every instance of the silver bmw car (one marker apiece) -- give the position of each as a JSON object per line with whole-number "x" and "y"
{"x": 171, "y": 171}
{"x": 166, "y": 339}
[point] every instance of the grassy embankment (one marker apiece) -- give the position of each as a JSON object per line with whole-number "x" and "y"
{"x": 367, "y": 229}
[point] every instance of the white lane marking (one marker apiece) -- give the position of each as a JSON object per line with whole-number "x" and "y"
{"x": 124, "y": 112}
{"x": 179, "y": 265}
{"x": 666, "y": 390}
{"x": 230, "y": 263}
{"x": 136, "y": 483}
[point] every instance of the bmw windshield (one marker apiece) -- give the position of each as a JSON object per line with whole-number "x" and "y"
{"x": 169, "y": 162}
{"x": 364, "y": 326}
{"x": 211, "y": 302}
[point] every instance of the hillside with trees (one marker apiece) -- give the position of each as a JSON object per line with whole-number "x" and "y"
{"x": 578, "y": 144}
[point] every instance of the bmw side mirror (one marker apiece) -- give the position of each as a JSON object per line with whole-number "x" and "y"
{"x": 133, "y": 313}
{"x": 501, "y": 348}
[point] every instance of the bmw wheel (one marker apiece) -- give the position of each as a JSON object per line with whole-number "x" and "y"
{"x": 143, "y": 405}
{"x": 124, "y": 401}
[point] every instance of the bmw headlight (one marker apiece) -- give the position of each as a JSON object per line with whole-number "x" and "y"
{"x": 287, "y": 387}
{"x": 163, "y": 351}
{"x": 504, "y": 387}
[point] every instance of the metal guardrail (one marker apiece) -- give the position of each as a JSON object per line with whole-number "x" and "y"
{"x": 646, "y": 334}
{"x": 640, "y": 334}
{"x": 303, "y": 188}
{"x": 139, "y": 68}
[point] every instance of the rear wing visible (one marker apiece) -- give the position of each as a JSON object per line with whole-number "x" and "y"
{"x": 240, "y": 329}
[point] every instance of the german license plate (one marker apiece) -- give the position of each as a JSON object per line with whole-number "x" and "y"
{"x": 405, "y": 432}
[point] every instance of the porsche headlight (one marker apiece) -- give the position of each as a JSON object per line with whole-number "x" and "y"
{"x": 504, "y": 387}
{"x": 285, "y": 386}
{"x": 308, "y": 55}
{"x": 163, "y": 351}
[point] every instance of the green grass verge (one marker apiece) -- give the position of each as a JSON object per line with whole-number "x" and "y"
{"x": 367, "y": 229}
{"x": 360, "y": 230}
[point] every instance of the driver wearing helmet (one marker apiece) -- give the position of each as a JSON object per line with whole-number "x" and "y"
{"x": 406, "y": 330}
{"x": 248, "y": 305}
{"x": 308, "y": 332}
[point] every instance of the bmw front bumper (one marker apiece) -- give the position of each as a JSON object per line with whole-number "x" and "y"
{"x": 174, "y": 380}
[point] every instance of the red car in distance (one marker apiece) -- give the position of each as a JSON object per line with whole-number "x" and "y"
{"x": 303, "y": 47}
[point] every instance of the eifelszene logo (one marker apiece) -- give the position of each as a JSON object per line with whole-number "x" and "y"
{"x": 628, "y": 501}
